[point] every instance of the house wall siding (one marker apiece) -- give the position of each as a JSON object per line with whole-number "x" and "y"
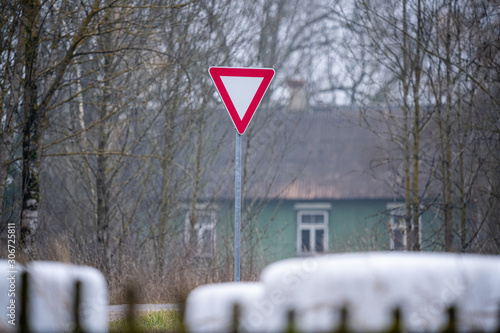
{"x": 358, "y": 225}
{"x": 270, "y": 233}
{"x": 354, "y": 225}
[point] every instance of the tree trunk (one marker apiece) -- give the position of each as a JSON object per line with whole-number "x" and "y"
{"x": 406, "y": 134}
{"x": 449, "y": 204}
{"x": 102, "y": 177}
{"x": 102, "y": 192}
{"x": 31, "y": 132}
{"x": 166, "y": 169}
{"x": 34, "y": 109}
{"x": 11, "y": 90}
{"x": 416, "y": 134}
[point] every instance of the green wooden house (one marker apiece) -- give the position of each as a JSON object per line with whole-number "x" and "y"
{"x": 310, "y": 187}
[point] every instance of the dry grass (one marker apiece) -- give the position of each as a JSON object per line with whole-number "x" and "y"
{"x": 169, "y": 282}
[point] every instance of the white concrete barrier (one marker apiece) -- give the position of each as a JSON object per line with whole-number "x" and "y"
{"x": 52, "y": 297}
{"x": 210, "y": 308}
{"x": 371, "y": 285}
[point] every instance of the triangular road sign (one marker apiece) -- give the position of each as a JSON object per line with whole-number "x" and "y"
{"x": 241, "y": 90}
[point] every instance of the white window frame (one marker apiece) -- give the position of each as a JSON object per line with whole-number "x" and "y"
{"x": 312, "y": 227}
{"x": 200, "y": 230}
{"x": 397, "y": 222}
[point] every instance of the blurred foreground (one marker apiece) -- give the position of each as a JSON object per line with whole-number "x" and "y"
{"x": 358, "y": 292}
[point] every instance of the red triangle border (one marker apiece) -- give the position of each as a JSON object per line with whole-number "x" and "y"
{"x": 266, "y": 73}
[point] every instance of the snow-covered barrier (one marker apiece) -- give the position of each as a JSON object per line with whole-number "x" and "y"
{"x": 210, "y": 308}
{"x": 8, "y": 302}
{"x": 51, "y": 297}
{"x": 371, "y": 285}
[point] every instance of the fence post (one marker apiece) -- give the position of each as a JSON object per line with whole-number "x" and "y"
{"x": 498, "y": 319}
{"x": 131, "y": 300}
{"x": 76, "y": 307}
{"x": 451, "y": 327}
{"x": 342, "y": 328}
{"x": 397, "y": 324}
{"x": 24, "y": 326}
{"x": 236, "y": 318}
{"x": 291, "y": 322}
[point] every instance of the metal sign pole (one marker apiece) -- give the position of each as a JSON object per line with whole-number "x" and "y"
{"x": 241, "y": 90}
{"x": 237, "y": 207}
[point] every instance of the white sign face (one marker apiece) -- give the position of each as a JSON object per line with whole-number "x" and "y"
{"x": 241, "y": 90}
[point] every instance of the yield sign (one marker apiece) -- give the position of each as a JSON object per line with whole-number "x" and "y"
{"x": 241, "y": 90}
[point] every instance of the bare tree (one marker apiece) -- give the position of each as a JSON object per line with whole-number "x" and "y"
{"x": 11, "y": 68}
{"x": 430, "y": 73}
{"x": 37, "y": 101}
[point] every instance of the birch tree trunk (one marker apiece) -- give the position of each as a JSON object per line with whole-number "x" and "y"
{"x": 31, "y": 130}
{"x": 10, "y": 95}
{"x": 35, "y": 106}
{"x": 406, "y": 119}
{"x": 448, "y": 179}
{"x": 417, "y": 63}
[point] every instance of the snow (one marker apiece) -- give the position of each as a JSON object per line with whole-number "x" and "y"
{"x": 210, "y": 308}
{"x": 52, "y": 296}
{"x": 370, "y": 285}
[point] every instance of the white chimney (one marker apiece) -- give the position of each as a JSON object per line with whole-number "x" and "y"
{"x": 298, "y": 95}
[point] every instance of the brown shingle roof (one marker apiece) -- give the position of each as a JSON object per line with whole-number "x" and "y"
{"x": 326, "y": 155}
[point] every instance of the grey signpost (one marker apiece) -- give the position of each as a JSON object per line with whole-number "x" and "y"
{"x": 241, "y": 90}
{"x": 237, "y": 207}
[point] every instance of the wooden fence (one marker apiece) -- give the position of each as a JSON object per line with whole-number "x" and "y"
{"x": 343, "y": 327}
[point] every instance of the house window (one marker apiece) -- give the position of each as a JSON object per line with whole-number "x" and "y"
{"x": 398, "y": 233}
{"x": 201, "y": 237}
{"x": 397, "y": 226}
{"x": 312, "y": 232}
